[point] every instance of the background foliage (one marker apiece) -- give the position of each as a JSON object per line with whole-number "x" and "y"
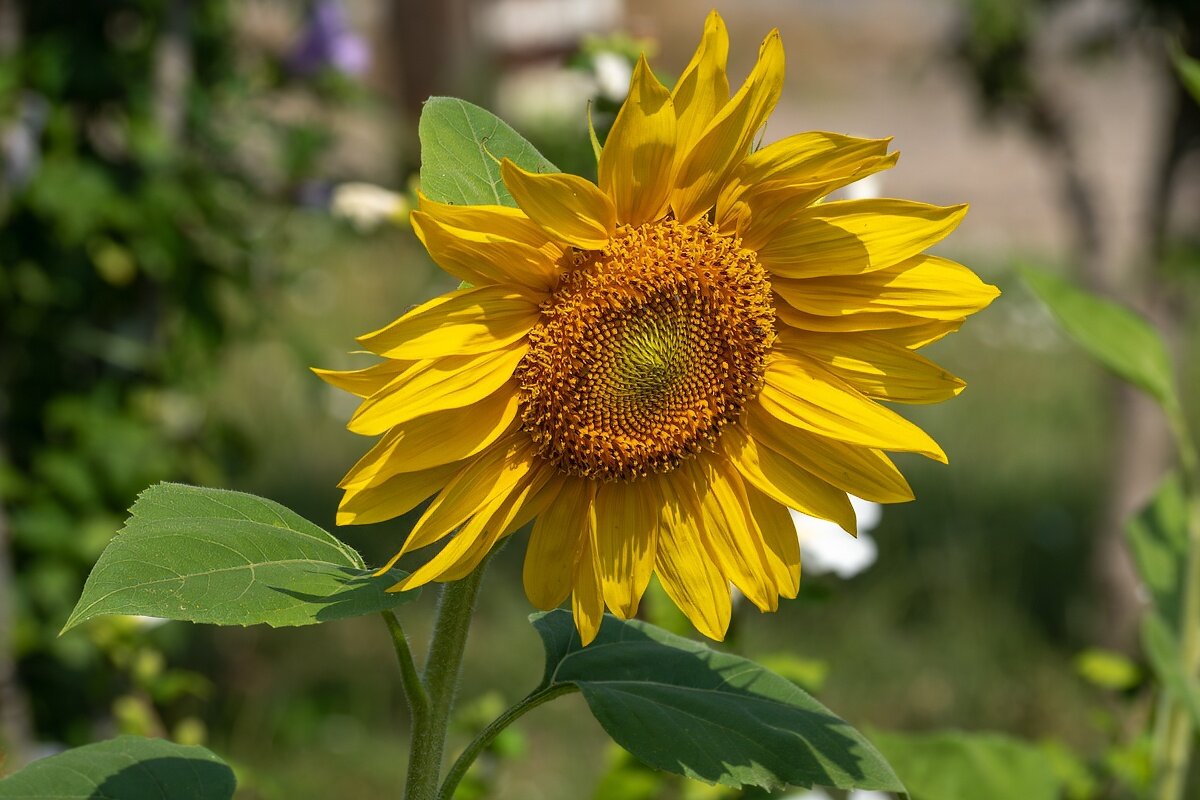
{"x": 167, "y": 271}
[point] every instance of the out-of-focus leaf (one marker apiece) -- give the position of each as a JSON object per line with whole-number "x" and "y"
{"x": 954, "y": 765}
{"x": 1158, "y": 539}
{"x": 1107, "y": 669}
{"x": 227, "y": 558}
{"x": 1189, "y": 72}
{"x": 807, "y": 673}
{"x": 1115, "y": 336}
{"x": 461, "y": 148}
{"x": 1077, "y": 779}
{"x": 1163, "y": 651}
{"x": 680, "y": 706}
{"x": 124, "y": 768}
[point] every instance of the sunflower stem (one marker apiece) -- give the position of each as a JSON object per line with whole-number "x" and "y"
{"x": 414, "y": 689}
{"x": 440, "y": 680}
{"x": 1179, "y": 731}
{"x": 488, "y": 734}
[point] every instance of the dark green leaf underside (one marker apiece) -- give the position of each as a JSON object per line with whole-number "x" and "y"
{"x": 681, "y": 706}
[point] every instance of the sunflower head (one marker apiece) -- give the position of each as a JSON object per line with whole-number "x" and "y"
{"x": 656, "y": 366}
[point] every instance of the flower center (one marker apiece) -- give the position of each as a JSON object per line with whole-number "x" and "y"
{"x": 645, "y": 351}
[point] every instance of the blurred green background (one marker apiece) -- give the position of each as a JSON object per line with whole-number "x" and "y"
{"x": 172, "y": 262}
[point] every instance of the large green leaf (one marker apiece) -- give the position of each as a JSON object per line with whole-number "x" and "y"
{"x": 1158, "y": 538}
{"x": 227, "y": 558}
{"x": 980, "y": 766}
{"x": 461, "y": 148}
{"x": 125, "y": 768}
{"x": 680, "y": 706}
{"x": 1115, "y": 336}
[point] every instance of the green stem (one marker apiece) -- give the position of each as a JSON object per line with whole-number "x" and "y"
{"x": 441, "y": 680}
{"x": 1176, "y": 750}
{"x": 414, "y": 690}
{"x": 488, "y": 734}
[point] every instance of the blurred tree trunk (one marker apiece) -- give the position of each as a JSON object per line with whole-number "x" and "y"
{"x": 423, "y": 53}
{"x": 1144, "y": 448}
{"x": 1141, "y": 446}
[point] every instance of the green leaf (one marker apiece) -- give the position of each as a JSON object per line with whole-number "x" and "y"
{"x": 1163, "y": 652}
{"x": 1115, "y": 336}
{"x": 461, "y": 148}
{"x": 227, "y": 558}
{"x": 1158, "y": 539}
{"x": 953, "y": 765}
{"x": 1189, "y": 71}
{"x": 122, "y": 769}
{"x": 680, "y": 706}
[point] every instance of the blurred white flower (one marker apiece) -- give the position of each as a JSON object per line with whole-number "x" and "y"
{"x": 824, "y": 547}
{"x": 146, "y": 623}
{"x": 613, "y": 73}
{"x": 544, "y": 95}
{"x": 855, "y": 794}
{"x": 367, "y": 206}
{"x": 865, "y": 189}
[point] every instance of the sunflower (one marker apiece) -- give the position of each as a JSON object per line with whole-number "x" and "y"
{"x": 655, "y": 367}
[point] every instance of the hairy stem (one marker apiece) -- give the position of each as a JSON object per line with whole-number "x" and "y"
{"x": 414, "y": 689}
{"x": 441, "y": 681}
{"x": 488, "y": 734}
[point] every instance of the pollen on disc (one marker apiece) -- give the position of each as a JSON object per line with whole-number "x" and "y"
{"x": 645, "y": 351}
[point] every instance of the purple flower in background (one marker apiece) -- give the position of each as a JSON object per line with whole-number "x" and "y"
{"x": 328, "y": 42}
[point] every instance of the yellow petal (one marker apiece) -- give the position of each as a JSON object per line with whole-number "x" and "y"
{"x": 363, "y": 382}
{"x": 438, "y": 438}
{"x": 569, "y": 208}
{"x": 803, "y": 394}
{"x": 786, "y": 483}
{"x": 486, "y": 259}
{"x": 850, "y": 237}
{"x": 806, "y": 158}
{"x": 475, "y": 536}
{"x": 780, "y": 542}
{"x": 463, "y": 553}
{"x": 849, "y": 322}
{"x": 730, "y": 536}
{"x": 626, "y": 531}
{"x": 861, "y": 471}
{"x": 505, "y": 221}
{"x": 763, "y": 211}
{"x": 928, "y": 287}
{"x": 928, "y": 332}
{"x": 875, "y": 366}
{"x": 702, "y": 88}
{"x": 394, "y": 497}
{"x": 727, "y": 139}
{"x": 464, "y": 322}
{"x": 688, "y": 571}
{"x": 452, "y": 382}
{"x": 636, "y": 163}
{"x": 555, "y": 544}
{"x": 494, "y": 473}
{"x": 810, "y": 164}
{"x": 587, "y": 598}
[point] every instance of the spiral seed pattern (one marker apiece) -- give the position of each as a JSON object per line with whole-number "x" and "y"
{"x": 645, "y": 351}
